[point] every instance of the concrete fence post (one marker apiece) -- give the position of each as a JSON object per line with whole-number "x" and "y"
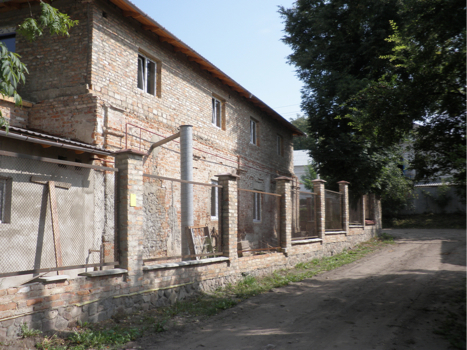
{"x": 283, "y": 187}
{"x": 318, "y": 186}
{"x": 344, "y": 189}
{"x": 130, "y": 213}
{"x": 229, "y": 214}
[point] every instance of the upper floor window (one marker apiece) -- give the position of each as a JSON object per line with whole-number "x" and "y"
{"x": 280, "y": 145}
{"x": 9, "y": 40}
{"x": 147, "y": 75}
{"x": 253, "y": 132}
{"x": 218, "y": 112}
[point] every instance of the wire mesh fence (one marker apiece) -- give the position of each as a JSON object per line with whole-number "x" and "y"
{"x": 333, "y": 205}
{"x": 355, "y": 210}
{"x": 307, "y": 217}
{"x": 55, "y": 215}
{"x": 258, "y": 222}
{"x": 164, "y": 237}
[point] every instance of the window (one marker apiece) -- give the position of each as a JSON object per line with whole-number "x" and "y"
{"x": 253, "y": 132}
{"x": 280, "y": 146}
{"x": 214, "y": 201}
{"x": 9, "y": 40}
{"x": 217, "y": 112}
{"x": 147, "y": 75}
{"x": 256, "y": 207}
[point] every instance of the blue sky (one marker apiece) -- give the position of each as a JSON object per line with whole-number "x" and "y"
{"x": 242, "y": 38}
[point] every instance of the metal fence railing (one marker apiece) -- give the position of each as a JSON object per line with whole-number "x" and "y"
{"x": 369, "y": 208}
{"x": 258, "y": 222}
{"x": 55, "y": 215}
{"x": 333, "y": 205}
{"x": 307, "y": 217}
{"x": 355, "y": 210}
{"x": 164, "y": 237}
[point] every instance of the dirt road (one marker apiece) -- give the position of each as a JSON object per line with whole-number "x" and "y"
{"x": 393, "y": 299}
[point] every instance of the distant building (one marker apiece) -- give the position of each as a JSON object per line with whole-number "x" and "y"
{"x": 300, "y": 160}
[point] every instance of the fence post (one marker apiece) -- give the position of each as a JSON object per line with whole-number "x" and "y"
{"x": 283, "y": 187}
{"x": 229, "y": 214}
{"x": 344, "y": 189}
{"x": 377, "y": 213}
{"x": 318, "y": 186}
{"x": 130, "y": 213}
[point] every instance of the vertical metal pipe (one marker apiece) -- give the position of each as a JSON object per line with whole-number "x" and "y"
{"x": 186, "y": 170}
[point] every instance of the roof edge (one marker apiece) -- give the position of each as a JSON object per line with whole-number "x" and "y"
{"x": 131, "y": 10}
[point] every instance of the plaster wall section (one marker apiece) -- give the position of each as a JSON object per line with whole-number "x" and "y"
{"x": 84, "y": 212}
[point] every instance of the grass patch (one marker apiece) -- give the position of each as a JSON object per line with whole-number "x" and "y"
{"x": 427, "y": 221}
{"x": 122, "y": 329}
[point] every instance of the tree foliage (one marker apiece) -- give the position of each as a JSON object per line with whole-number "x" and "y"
{"x": 310, "y": 175}
{"x": 424, "y": 84}
{"x": 336, "y": 47}
{"x": 371, "y": 70}
{"x": 12, "y": 70}
{"x": 300, "y": 143}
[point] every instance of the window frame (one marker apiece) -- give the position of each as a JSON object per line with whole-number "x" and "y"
{"x": 257, "y": 207}
{"x": 9, "y": 36}
{"x": 144, "y": 72}
{"x": 254, "y": 132}
{"x": 280, "y": 145}
{"x": 215, "y": 200}
{"x": 217, "y": 112}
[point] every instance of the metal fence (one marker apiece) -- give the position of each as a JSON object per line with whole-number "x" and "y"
{"x": 355, "y": 210}
{"x": 333, "y": 204}
{"x": 55, "y": 215}
{"x": 164, "y": 237}
{"x": 258, "y": 222}
{"x": 307, "y": 217}
{"x": 369, "y": 208}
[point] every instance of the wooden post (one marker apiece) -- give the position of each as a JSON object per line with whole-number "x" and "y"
{"x": 55, "y": 226}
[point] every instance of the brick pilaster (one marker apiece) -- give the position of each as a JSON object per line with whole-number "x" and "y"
{"x": 344, "y": 189}
{"x": 229, "y": 214}
{"x": 318, "y": 186}
{"x": 130, "y": 213}
{"x": 283, "y": 187}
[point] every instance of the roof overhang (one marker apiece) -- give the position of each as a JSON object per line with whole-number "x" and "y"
{"x": 49, "y": 140}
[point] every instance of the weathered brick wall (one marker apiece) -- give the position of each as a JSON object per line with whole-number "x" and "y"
{"x": 70, "y": 117}
{"x": 185, "y": 96}
{"x": 16, "y": 115}
{"x": 57, "y": 65}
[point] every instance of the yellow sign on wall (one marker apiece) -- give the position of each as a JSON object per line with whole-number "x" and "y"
{"x": 132, "y": 200}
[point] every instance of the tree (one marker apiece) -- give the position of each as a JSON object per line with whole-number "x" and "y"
{"x": 310, "y": 175}
{"x": 300, "y": 143}
{"x": 12, "y": 70}
{"x": 336, "y": 48}
{"x": 424, "y": 86}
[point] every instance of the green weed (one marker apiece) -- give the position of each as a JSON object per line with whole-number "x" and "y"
{"x": 27, "y": 332}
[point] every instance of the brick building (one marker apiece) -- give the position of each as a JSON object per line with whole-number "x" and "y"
{"x": 81, "y": 185}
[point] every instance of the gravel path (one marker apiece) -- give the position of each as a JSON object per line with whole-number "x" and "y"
{"x": 392, "y": 299}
